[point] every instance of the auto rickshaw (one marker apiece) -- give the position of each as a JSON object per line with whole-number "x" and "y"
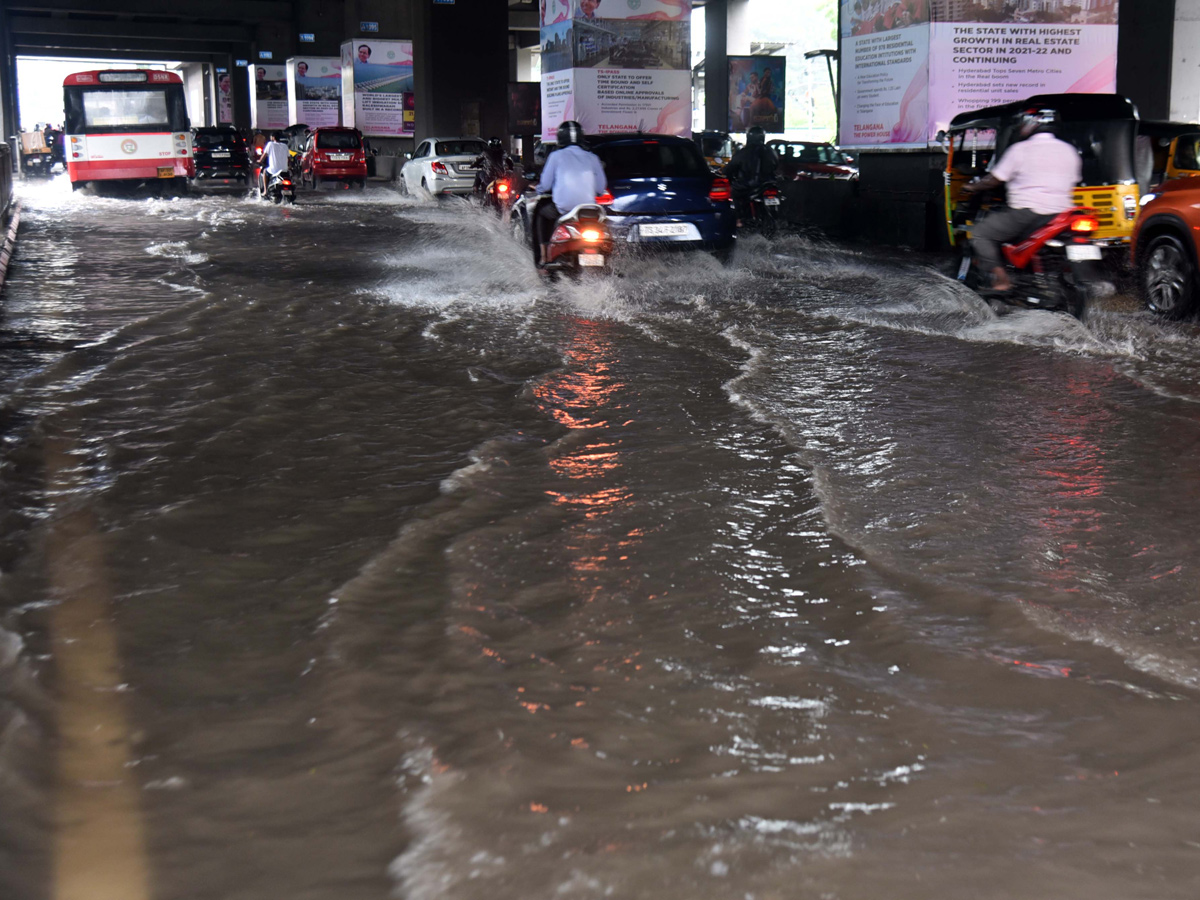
{"x": 1102, "y": 127}
{"x": 717, "y": 147}
{"x": 1167, "y": 150}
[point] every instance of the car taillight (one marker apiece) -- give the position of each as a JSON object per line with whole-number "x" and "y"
{"x": 1085, "y": 224}
{"x": 720, "y": 190}
{"x": 605, "y": 199}
{"x": 439, "y": 168}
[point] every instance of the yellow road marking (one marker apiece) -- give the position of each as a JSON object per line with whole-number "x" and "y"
{"x": 100, "y": 849}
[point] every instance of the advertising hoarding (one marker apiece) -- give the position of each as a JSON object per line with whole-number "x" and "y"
{"x": 377, "y": 87}
{"x": 757, "y": 93}
{"x": 524, "y": 107}
{"x": 314, "y": 91}
{"x": 224, "y": 98}
{"x": 629, "y": 63}
{"x": 268, "y": 97}
{"x": 908, "y": 67}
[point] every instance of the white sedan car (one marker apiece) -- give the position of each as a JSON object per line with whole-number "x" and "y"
{"x": 442, "y": 166}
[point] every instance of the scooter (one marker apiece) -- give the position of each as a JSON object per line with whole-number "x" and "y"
{"x": 580, "y": 241}
{"x": 279, "y": 189}
{"x": 1055, "y": 266}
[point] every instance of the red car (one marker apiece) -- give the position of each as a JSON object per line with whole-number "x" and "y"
{"x": 336, "y": 155}
{"x": 1164, "y": 246}
{"x": 813, "y": 159}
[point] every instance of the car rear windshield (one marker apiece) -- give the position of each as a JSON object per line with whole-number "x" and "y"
{"x": 459, "y": 148}
{"x": 651, "y": 160}
{"x": 217, "y": 139}
{"x": 338, "y": 140}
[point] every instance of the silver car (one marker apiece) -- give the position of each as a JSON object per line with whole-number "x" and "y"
{"x": 442, "y": 166}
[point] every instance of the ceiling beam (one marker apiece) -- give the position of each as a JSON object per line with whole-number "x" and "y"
{"x": 24, "y": 45}
{"x": 232, "y": 10}
{"x": 218, "y": 59}
{"x": 174, "y": 32}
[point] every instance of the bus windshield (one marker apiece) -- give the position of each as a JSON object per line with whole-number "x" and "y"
{"x": 91, "y": 110}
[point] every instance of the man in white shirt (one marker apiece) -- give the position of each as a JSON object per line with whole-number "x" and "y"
{"x": 572, "y": 176}
{"x": 273, "y": 160}
{"x": 1041, "y": 173}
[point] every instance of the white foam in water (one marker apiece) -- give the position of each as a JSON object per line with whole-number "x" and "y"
{"x": 177, "y": 250}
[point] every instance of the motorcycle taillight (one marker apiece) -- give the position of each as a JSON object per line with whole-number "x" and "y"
{"x": 605, "y": 199}
{"x": 770, "y": 193}
{"x": 561, "y": 233}
{"x": 1085, "y": 224}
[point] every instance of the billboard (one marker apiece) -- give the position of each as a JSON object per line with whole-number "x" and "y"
{"x": 910, "y": 66}
{"x": 268, "y": 97}
{"x": 377, "y": 87}
{"x": 757, "y": 93}
{"x": 224, "y": 98}
{"x": 524, "y": 107}
{"x": 616, "y": 65}
{"x": 314, "y": 91}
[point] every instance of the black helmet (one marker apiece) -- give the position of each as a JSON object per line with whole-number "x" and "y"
{"x": 755, "y": 135}
{"x": 495, "y": 144}
{"x": 570, "y": 132}
{"x": 1034, "y": 120}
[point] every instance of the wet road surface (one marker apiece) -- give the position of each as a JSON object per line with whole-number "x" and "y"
{"x": 342, "y": 558}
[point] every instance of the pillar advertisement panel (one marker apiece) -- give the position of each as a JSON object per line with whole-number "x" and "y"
{"x": 757, "y": 93}
{"x": 629, "y": 65}
{"x": 224, "y": 98}
{"x": 910, "y": 66}
{"x": 314, "y": 91}
{"x": 268, "y": 97}
{"x": 377, "y": 87}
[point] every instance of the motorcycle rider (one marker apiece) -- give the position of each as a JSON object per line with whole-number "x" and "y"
{"x": 1041, "y": 172}
{"x": 273, "y": 160}
{"x": 492, "y": 164}
{"x": 750, "y": 168}
{"x": 572, "y": 176}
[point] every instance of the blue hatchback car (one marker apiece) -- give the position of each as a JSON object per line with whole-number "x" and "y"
{"x": 662, "y": 195}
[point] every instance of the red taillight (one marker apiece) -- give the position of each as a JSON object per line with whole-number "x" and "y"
{"x": 720, "y": 190}
{"x": 1085, "y": 224}
{"x": 502, "y": 188}
{"x": 439, "y": 168}
{"x": 605, "y": 199}
{"x": 561, "y": 233}
{"x": 195, "y": 148}
{"x": 770, "y": 192}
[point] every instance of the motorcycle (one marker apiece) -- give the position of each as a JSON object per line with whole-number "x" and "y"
{"x": 279, "y": 189}
{"x": 500, "y": 193}
{"x": 580, "y": 241}
{"x": 760, "y": 211}
{"x": 1054, "y": 266}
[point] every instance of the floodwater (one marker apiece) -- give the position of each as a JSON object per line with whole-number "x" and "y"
{"x": 807, "y": 578}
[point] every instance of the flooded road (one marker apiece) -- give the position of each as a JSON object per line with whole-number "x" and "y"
{"x": 371, "y": 566}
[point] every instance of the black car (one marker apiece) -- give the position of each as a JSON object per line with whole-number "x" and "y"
{"x": 221, "y": 157}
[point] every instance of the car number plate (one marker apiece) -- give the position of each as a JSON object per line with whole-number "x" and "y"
{"x": 671, "y": 230}
{"x": 591, "y": 259}
{"x": 339, "y": 157}
{"x": 1081, "y": 252}
{"x": 771, "y": 201}
{"x": 220, "y": 154}
{"x": 166, "y": 171}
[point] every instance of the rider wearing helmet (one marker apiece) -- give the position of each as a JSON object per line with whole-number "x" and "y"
{"x": 750, "y": 168}
{"x": 491, "y": 164}
{"x": 572, "y": 176}
{"x": 273, "y": 160}
{"x": 1041, "y": 172}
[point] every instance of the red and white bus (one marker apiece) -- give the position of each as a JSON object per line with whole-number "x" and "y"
{"x": 127, "y": 125}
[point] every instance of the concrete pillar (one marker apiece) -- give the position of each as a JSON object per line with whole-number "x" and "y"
{"x": 460, "y": 59}
{"x": 726, "y": 33}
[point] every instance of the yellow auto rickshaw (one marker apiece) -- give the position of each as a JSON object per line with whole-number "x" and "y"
{"x": 1102, "y": 127}
{"x": 1167, "y": 150}
{"x": 717, "y": 146}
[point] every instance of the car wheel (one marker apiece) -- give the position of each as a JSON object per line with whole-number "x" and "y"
{"x": 360, "y": 184}
{"x": 425, "y": 187}
{"x": 1167, "y": 277}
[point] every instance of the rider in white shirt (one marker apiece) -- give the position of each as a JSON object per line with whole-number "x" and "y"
{"x": 273, "y": 159}
{"x": 572, "y": 176}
